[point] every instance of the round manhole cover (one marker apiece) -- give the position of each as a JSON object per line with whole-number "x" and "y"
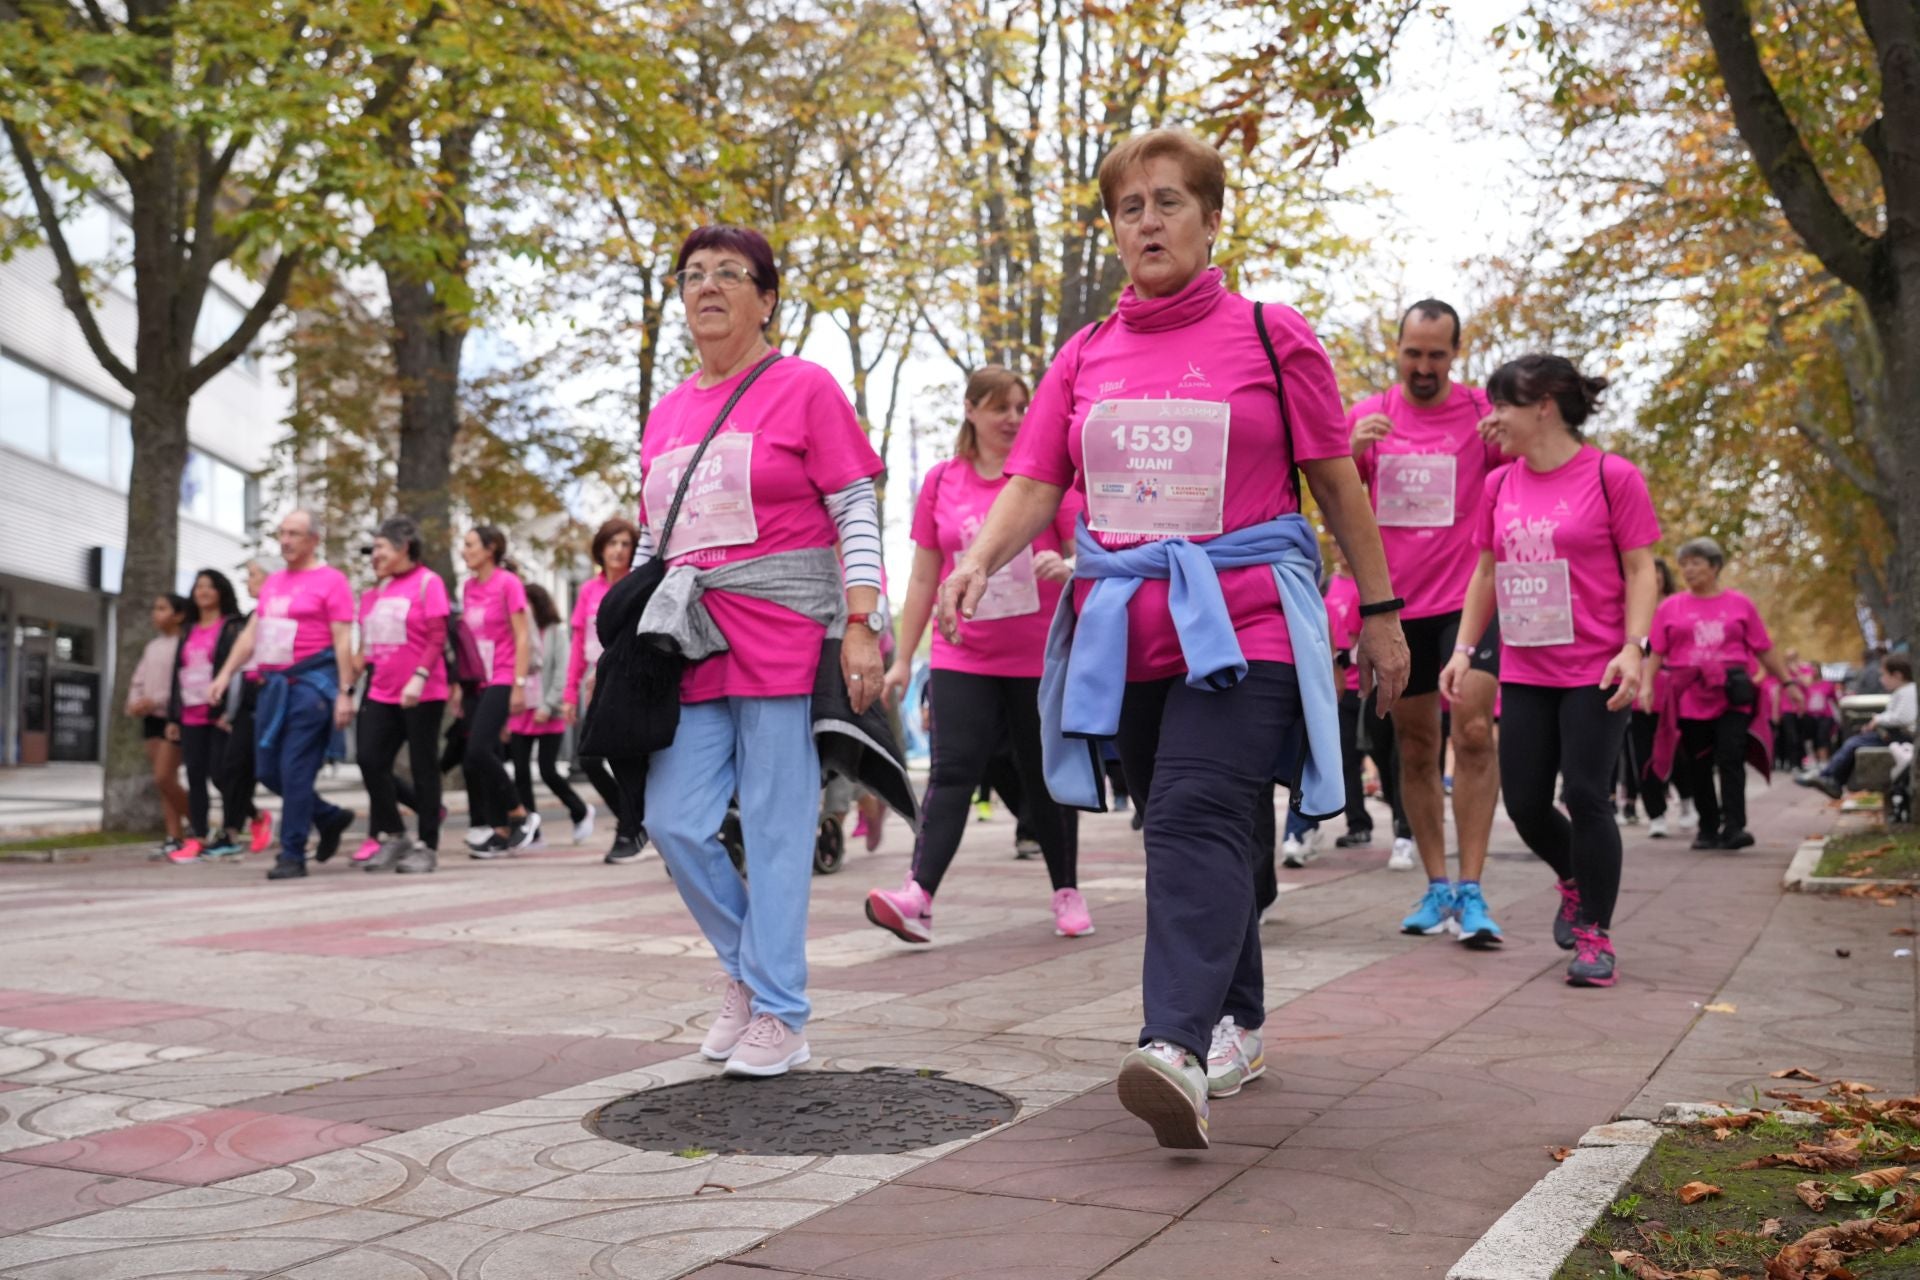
{"x": 804, "y": 1113}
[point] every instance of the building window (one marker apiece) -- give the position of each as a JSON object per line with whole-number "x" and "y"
{"x": 83, "y": 434}
{"x": 122, "y": 451}
{"x": 26, "y": 408}
{"x": 220, "y": 315}
{"x": 216, "y": 493}
{"x": 230, "y": 499}
{"x": 196, "y": 487}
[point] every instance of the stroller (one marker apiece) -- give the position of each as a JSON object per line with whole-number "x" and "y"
{"x": 829, "y": 842}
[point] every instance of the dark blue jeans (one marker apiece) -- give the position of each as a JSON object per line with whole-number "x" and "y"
{"x": 1840, "y": 768}
{"x": 290, "y": 768}
{"x": 1200, "y": 762}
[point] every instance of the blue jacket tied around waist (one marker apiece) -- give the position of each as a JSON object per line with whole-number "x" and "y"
{"x": 319, "y": 673}
{"x": 1085, "y": 676}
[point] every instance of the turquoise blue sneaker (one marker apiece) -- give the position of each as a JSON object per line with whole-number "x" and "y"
{"x": 1477, "y": 929}
{"x": 1433, "y": 913}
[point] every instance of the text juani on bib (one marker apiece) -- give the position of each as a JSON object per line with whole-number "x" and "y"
{"x": 1415, "y": 490}
{"x": 718, "y": 511}
{"x": 1536, "y": 603}
{"x": 1155, "y": 466}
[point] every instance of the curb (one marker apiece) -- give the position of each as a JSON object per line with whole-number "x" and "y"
{"x": 1800, "y": 873}
{"x": 1532, "y": 1239}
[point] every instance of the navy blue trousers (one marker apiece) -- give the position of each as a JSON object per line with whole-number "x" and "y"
{"x": 1200, "y": 761}
{"x": 291, "y": 766}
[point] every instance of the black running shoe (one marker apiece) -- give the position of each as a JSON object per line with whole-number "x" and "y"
{"x": 1354, "y": 839}
{"x": 330, "y": 833}
{"x": 1739, "y": 838}
{"x": 284, "y": 870}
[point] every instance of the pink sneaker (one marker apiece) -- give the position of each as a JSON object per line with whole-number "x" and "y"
{"x": 906, "y": 912}
{"x": 1070, "y": 916}
{"x": 860, "y": 827}
{"x": 188, "y": 852}
{"x": 768, "y": 1047}
{"x": 736, "y": 1011}
{"x": 367, "y": 849}
{"x": 262, "y": 827}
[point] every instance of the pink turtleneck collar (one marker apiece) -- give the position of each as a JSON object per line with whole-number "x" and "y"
{"x": 1193, "y": 303}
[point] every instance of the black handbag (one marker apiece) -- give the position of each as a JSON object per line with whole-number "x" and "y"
{"x": 1742, "y": 695}
{"x": 636, "y": 684}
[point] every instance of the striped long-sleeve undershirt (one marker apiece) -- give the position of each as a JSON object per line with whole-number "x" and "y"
{"x": 856, "y": 514}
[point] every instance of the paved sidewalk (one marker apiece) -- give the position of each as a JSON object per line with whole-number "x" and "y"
{"x": 370, "y": 1077}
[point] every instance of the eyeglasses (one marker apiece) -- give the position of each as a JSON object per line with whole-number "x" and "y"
{"x": 728, "y": 278}
{"x": 293, "y": 533}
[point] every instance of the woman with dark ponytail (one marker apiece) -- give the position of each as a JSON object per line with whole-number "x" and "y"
{"x": 494, "y": 611}
{"x": 1566, "y": 556}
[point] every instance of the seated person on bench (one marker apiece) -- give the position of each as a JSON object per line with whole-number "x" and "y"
{"x": 1895, "y": 724}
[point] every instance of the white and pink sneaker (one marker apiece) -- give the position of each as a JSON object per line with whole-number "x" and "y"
{"x": 1070, "y": 916}
{"x": 768, "y": 1047}
{"x": 367, "y": 849}
{"x": 906, "y": 912}
{"x": 736, "y": 1011}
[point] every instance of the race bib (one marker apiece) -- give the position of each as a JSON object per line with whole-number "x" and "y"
{"x": 718, "y": 510}
{"x": 1415, "y": 490}
{"x": 486, "y": 656}
{"x": 387, "y": 624}
{"x": 1536, "y": 603}
{"x": 1155, "y": 466}
{"x": 195, "y": 677}
{"x": 1014, "y": 592}
{"x": 276, "y": 636}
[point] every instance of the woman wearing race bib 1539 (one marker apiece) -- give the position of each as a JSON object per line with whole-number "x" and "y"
{"x": 1566, "y": 557}
{"x": 985, "y": 685}
{"x": 1169, "y": 420}
{"x": 787, "y": 477}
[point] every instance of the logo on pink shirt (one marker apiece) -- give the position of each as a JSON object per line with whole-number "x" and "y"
{"x": 1709, "y": 633}
{"x": 1529, "y": 541}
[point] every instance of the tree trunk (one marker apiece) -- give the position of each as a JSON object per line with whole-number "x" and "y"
{"x": 1898, "y": 328}
{"x": 159, "y": 417}
{"x": 427, "y": 340}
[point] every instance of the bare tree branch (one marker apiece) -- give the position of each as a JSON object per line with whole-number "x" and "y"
{"x": 272, "y": 294}
{"x": 71, "y": 291}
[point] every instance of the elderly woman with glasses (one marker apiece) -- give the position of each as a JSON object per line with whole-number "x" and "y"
{"x": 785, "y": 476}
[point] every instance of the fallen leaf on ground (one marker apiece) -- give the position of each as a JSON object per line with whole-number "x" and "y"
{"x": 1813, "y": 1157}
{"x": 1639, "y": 1266}
{"x": 1559, "y": 1153}
{"x": 1726, "y": 1124}
{"x": 1695, "y": 1192}
{"x": 1810, "y": 1195}
{"x": 1786, "y": 1095}
{"x": 1880, "y": 1179}
{"x": 1770, "y": 1228}
{"x": 1794, "y": 1073}
{"x": 1821, "y": 1253}
{"x": 1851, "y": 1088}
{"x": 1904, "y": 932}
{"x": 1723, "y": 1006}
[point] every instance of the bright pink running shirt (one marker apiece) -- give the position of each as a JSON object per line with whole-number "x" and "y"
{"x": 298, "y": 608}
{"x": 1431, "y": 564}
{"x": 196, "y": 672}
{"x": 584, "y": 650}
{"x": 394, "y": 617}
{"x": 1539, "y": 519}
{"x": 1343, "y": 617}
{"x": 1197, "y": 345}
{"x": 952, "y": 507}
{"x": 487, "y": 608}
{"x": 796, "y": 434}
{"x": 1711, "y": 633}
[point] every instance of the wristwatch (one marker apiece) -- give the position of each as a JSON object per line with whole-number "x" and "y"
{"x": 874, "y": 621}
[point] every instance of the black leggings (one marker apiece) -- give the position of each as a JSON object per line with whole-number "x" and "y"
{"x": 1568, "y": 733}
{"x": 629, "y": 813}
{"x": 204, "y": 747}
{"x": 972, "y": 715}
{"x": 522, "y": 748}
{"x": 1713, "y": 750}
{"x": 383, "y": 727}
{"x": 490, "y": 794}
{"x": 1380, "y": 746}
{"x": 235, "y": 768}
{"x": 1636, "y": 767}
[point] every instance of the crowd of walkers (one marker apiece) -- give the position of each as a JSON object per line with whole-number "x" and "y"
{"x": 1129, "y": 604}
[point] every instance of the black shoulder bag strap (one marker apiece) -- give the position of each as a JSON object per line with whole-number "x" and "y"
{"x": 693, "y": 463}
{"x": 1280, "y": 389}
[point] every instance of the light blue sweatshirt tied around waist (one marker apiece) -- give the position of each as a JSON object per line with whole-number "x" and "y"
{"x": 1085, "y": 676}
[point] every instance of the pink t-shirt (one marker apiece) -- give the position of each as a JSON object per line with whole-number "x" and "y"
{"x": 1198, "y": 347}
{"x": 1711, "y": 633}
{"x": 487, "y": 609}
{"x": 583, "y": 651}
{"x": 298, "y": 608}
{"x": 1429, "y": 555}
{"x": 1343, "y": 622}
{"x": 1536, "y": 521}
{"x": 394, "y": 617}
{"x": 196, "y": 672}
{"x": 1008, "y": 635}
{"x": 1820, "y": 696}
{"x": 790, "y": 442}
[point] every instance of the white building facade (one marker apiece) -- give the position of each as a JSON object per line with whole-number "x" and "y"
{"x": 65, "y": 457}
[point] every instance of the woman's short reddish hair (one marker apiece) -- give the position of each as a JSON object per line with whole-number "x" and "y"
{"x": 745, "y": 241}
{"x": 1201, "y": 167}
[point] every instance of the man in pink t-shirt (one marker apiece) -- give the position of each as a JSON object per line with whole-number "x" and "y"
{"x": 301, "y": 636}
{"x": 1422, "y": 450}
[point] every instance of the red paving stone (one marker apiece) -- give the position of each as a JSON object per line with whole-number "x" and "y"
{"x": 208, "y": 1146}
{"x": 32, "y": 1196}
{"x": 86, "y": 1015}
